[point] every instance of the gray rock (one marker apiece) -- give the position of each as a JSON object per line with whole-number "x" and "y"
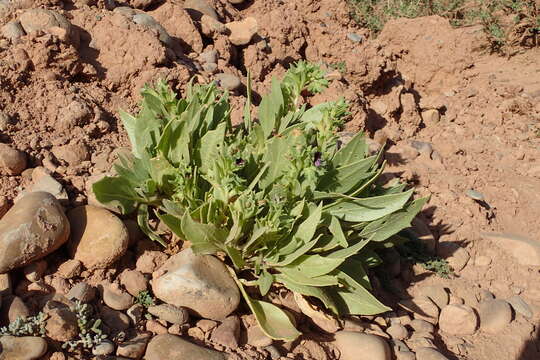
{"x": 149, "y": 22}
{"x": 22, "y": 348}
{"x": 236, "y": 2}
{"x": 355, "y": 37}
{"x": 168, "y": 346}
{"x": 428, "y": 353}
{"x": 372, "y": 347}
{"x": 210, "y": 67}
{"x": 105, "y": 348}
{"x": 458, "y": 320}
{"x": 200, "y": 283}
{"x": 5, "y": 121}
{"x": 47, "y": 20}
{"x": 13, "y": 30}
{"x": 82, "y": 292}
{"x": 98, "y": 237}
{"x": 12, "y": 161}
{"x": 33, "y": 228}
{"x": 475, "y": 195}
{"x": 209, "y": 56}
{"x": 228, "y": 81}
{"x": 170, "y": 313}
{"x": 273, "y": 351}
{"x": 494, "y": 315}
{"x": 241, "y": 32}
{"x": 115, "y": 298}
{"x": 520, "y": 306}
{"x": 42, "y": 181}
{"x": 524, "y": 250}
{"x": 422, "y": 147}
{"x": 197, "y": 8}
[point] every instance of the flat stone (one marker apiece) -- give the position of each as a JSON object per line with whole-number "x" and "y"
{"x": 437, "y": 294}
{"x": 458, "y": 320}
{"x": 256, "y": 337}
{"x": 200, "y": 283}
{"x": 227, "y": 333}
{"x": 397, "y": 331}
{"x": 520, "y": 306}
{"x": 170, "y": 313}
{"x": 133, "y": 348}
{"x": 524, "y": 250}
{"x": 33, "y": 228}
{"x": 22, "y": 348}
{"x": 43, "y": 181}
{"x": 169, "y": 346}
{"x": 351, "y": 344}
{"x": 242, "y": 31}
{"x": 428, "y": 353}
{"x": 495, "y": 315}
{"x": 82, "y": 292}
{"x": 422, "y": 307}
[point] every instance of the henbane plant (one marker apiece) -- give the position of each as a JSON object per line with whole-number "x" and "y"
{"x": 280, "y": 196}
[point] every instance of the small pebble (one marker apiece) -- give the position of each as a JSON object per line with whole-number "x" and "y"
{"x": 228, "y": 81}
{"x": 475, "y": 195}
{"x": 355, "y": 37}
{"x": 520, "y": 306}
{"x": 105, "y": 348}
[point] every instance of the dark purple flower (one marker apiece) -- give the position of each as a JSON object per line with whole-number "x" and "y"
{"x": 317, "y": 159}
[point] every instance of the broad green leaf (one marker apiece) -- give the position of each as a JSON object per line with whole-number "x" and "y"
{"x": 382, "y": 229}
{"x": 369, "y": 258}
{"x": 357, "y": 302}
{"x": 306, "y": 230}
{"x": 355, "y": 271}
{"x": 288, "y": 257}
{"x": 347, "y": 178}
{"x": 173, "y": 223}
{"x": 337, "y": 231}
{"x": 324, "y": 280}
{"x": 369, "y": 209}
{"x": 274, "y": 322}
{"x": 235, "y": 256}
{"x": 355, "y": 150}
{"x": 204, "y": 238}
{"x": 271, "y": 108}
{"x": 349, "y": 251}
{"x": 117, "y": 192}
{"x": 313, "y": 265}
{"x": 142, "y": 219}
{"x": 319, "y": 292}
{"x": 265, "y": 282}
{"x": 210, "y": 148}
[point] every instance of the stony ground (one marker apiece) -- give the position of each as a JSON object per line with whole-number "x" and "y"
{"x": 461, "y": 124}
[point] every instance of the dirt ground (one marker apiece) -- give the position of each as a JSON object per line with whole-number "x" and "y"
{"x": 453, "y": 117}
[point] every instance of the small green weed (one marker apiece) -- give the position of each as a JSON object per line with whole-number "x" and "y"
{"x": 145, "y": 299}
{"x": 26, "y": 326}
{"x": 415, "y": 251}
{"x": 90, "y": 333}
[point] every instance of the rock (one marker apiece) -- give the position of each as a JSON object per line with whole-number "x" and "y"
{"x": 200, "y": 283}
{"x": 209, "y": 56}
{"x": 114, "y": 319}
{"x": 525, "y": 251}
{"x": 136, "y": 313}
{"x": 422, "y": 147}
{"x": 405, "y": 355}
{"x": 33, "y": 228}
{"x": 69, "y": 269}
{"x": 61, "y": 324}
{"x": 133, "y": 281}
{"x": 428, "y": 353}
{"x": 133, "y": 348}
{"x": 13, "y": 307}
{"x": 520, "y": 306}
{"x": 170, "y": 313}
{"x": 227, "y": 333}
{"x": 82, "y": 292}
{"x": 5, "y": 121}
{"x": 437, "y": 294}
{"x": 168, "y": 346}
{"x": 273, "y": 352}
{"x": 22, "y": 348}
{"x": 494, "y": 315}
{"x": 155, "y": 327}
{"x": 397, "y": 331}
{"x": 422, "y": 307}
{"x": 458, "y": 320}
{"x": 210, "y": 67}
{"x": 5, "y": 285}
{"x": 142, "y": 4}
{"x": 256, "y": 337}
{"x": 13, "y": 31}
{"x": 228, "y": 81}
{"x": 115, "y": 298}
{"x": 242, "y": 31}
{"x": 350, "y": 344}
{"x": 42, "y": 181}
{"x": 236, "y": 2}
{"x": 77, "y": 113}
{"x": 105, "y": 348}
{"x": 431, "y": 116}
{"x": 12, "y": 161}
{"x": 149, "y": 261}
{"x": 34, "y": 271}
{"x": 73, "y": 154}
{"x": 206, "y": 325}
{"x": 197, "y": 8}
{"x": 355, "y": 37}
{"x": 456, "y": 256}
{"x": 149, "y": 22}
{"x": 211, "y": 27}
{"x": 98, "y": 238}
{"x": 49, "y": 21}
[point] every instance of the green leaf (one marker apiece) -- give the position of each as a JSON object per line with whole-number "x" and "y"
{"x": 349, "y": 251}
{"x": 369, "y": 209}
{"x": 312, "y": 265}
{"x": 337, "y": 231}
{"x": 271, "y": 108}
{"x": 173, "y": 223}
{"x": 211, "y": 145}
{"x": 356, "y": 272}
{"x": 355, "y": 150}
{"x": 347, "y": 178}
{"x": 204, "y": 238}
{"x": 235, "y": 256}
{"x": 265, "y": 282}
{"x": 323, "y": 280}
{"x": 117, "y": 192}
{"x": 369, "y": 258}
{"x": 142, "y": 219}
{"x": 319, "y": 292}
{"x": 357, "y": 302}
{"x": 274, "y": 322}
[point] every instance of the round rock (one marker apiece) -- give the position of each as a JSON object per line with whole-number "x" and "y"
{"x": 494, "y": 315}
{"x": 428, "y": 353}
{"x": 170, "y": 313}
{"x": 61, "y": 325}
{"x": 350, "y": 344}
{"x": 200, "y": 283}
{"x": 13, "y": 30}
{"x": 12, "y": 161}
{"x": 458, "y": 320}
{"x": 98, "y": 237}
{"x": 33, "y": 228}
{"x": 228, "y": 81}
{"x": 167, "y": 346}
{"x": 197, "y": 8}
{"x": 397, "y": 331}
{"x": 82, "y": 292}
{"x": 242, "y": 31}
{"x": 115, "y": 298}
{"x": 134, "y": 281}
{"x": 48, "y": 21}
